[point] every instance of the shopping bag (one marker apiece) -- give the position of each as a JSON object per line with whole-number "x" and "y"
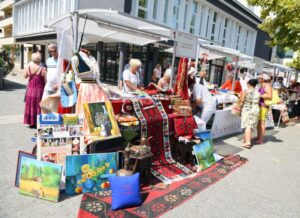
{"x": 285, "y": 117}
{"x": 68, "y": 94}
{"x": 237, "y": 108}
{"x": 275, "y": 98}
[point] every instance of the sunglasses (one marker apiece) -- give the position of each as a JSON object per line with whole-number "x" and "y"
{"x": 52, "y": 51}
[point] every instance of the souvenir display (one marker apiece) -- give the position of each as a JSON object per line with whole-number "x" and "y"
{"x": 90, "y": 172}
{"x": 101, "y": 121}
{"x": 56, "y": 141}
{"x": 21, "y": 155}
{"x": 40, "y": 179}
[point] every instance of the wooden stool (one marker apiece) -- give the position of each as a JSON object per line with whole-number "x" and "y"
{"x": 143, "y": 165}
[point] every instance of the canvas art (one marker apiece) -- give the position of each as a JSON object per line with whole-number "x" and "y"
{"x": 101, "y": 121}
{"x": 90, "y": 172}
{"x": 204, "y": 151}
{"x": 40, "y": 179}
{"x": 21, "y": 155}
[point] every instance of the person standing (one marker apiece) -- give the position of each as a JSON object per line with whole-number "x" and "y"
{"x": 37, "y": 78}
{"x": 52, "y": 84}
{"x": 265, "y": 91}
{"x": 250, "y": 99}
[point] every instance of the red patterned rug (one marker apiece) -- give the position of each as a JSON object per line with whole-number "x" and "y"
{"x": 159, "y": 198}
{"x": 154, "y": 125}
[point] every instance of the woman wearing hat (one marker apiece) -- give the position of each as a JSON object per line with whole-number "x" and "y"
{"x": 265, "y": 94}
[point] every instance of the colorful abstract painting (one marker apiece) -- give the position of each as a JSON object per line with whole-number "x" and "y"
{"x": 89, "y": 173}
{"x": 204, "y": 151}
{"x": 40, "y": 179}
{"x": 101, "y": 121}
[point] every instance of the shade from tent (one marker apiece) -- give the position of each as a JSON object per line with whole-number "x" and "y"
{"x": 112, "y": 26}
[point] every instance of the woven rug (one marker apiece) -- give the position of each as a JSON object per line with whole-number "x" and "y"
{"x": 159, "y": 198}
{"x": 154, "y": 125}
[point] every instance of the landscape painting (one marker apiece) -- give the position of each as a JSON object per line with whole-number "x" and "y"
{"x": 204, "y": 153}
{"x": 89, "y": 173}
{"x": 21, "y": 155}
{"x": 40, "y": 179}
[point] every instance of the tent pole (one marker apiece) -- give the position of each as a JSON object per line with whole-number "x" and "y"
{"x": 236, "y": 72}
{"x": 173, "y": 63}
{"x": 197, "y": 57}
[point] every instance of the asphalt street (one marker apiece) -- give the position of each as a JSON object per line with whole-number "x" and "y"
{"x": 266, "y": 186}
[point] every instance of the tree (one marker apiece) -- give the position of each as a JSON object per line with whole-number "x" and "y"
{"x": 281, "y": 20}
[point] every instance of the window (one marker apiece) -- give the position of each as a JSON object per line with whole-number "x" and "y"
{"x": 246, "y": 41}
{"x": 201, "y": 19}
{"x": 238, "y": 37}
{"x": 166, "y": 11}
{"x": 142, "y": 9}
{"x": 185, "y": 15}
{"x": 213, "y": 28}
{"x": 207, "y": 23}
{"x": 155, "y": 3}
{"x": 193, "y": 17}
{"x": 175, "y": 17}
{"x": 225, "y": 31}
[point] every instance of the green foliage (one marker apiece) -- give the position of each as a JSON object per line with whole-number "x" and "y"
{"x": 281, "y": 20}
{"x": 50, "y": 177}
{"x": 295, "y": 63}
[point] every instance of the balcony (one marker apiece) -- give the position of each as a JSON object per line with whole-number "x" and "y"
{"x": 6, "y": 4}
{"x": 6, "y": 21}
{"x": 7, "y": 41}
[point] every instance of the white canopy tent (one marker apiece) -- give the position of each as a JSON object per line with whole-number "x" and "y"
{"x": 111, "y": 26}
{"x": 220, "y": 52}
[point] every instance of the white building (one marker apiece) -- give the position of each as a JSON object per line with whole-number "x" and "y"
{"x": 225, "y": 22}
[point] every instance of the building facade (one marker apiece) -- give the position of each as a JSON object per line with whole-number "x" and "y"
{"x": 225, "y": 22}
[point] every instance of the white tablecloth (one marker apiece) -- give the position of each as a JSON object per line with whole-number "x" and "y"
{"x": 225, "y": 98}
{"x": 225, "y": 123}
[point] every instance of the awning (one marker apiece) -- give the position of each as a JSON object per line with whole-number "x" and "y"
{"x": 112, "y": 26}
{"x": 226, "y": 52}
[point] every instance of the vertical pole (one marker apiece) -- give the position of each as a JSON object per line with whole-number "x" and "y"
{"x": 34, "y": 47}
{"x": 236, "y": 71}
{"x": 173, "y": 63}
{"x": 197, "y": 57}
{"x": 22, "y": 56}
{"x": 99, "y": 56}
{"x": 121, "y": 62}
{"x": 43, "y": 50}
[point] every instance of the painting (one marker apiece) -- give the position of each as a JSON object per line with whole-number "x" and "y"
{"x": 90, "y": 172}
{"x": 40, "y": 179}
{"x": 20, "y": 157}
{"x": 204, "y": 151}
{"x": 101, "y": 121}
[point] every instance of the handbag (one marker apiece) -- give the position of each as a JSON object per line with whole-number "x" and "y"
{"x": 275, "y": 98}
{"x": 285, "y": 117}
{"x": 68, "y": 91}
{"x": 237, "y": 108}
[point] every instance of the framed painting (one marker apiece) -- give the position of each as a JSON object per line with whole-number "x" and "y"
{"x": 90, "y": 172}
{"x": 101, "y": 121}
{"x": 40, "y": 179}
{"x": 21, "y": 154}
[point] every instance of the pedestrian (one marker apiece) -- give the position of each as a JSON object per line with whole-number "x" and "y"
{"x": 157, "y": 73}
{"x": 265, "y": 91}
{"x": 37, "y": 77}
{"x": 250, "y": 99}
{"x": 202, "y": 100}
{"x": 53, "y": 79}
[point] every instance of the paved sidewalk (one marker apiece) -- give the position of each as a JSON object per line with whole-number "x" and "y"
{"x": 266, "y": 186}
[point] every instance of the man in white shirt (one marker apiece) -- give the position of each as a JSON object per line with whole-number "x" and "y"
{"x": 203, "y": 99}
{"x": 52, "y": 71}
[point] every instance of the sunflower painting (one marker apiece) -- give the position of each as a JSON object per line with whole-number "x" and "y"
{"x": 89, "y": 173}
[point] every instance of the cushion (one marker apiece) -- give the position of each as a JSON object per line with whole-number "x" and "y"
{"x": 184, "y": 126}
{"x": 125, "y": 191}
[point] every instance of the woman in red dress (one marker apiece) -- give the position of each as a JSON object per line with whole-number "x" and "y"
{"x": 37, "y": 78}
